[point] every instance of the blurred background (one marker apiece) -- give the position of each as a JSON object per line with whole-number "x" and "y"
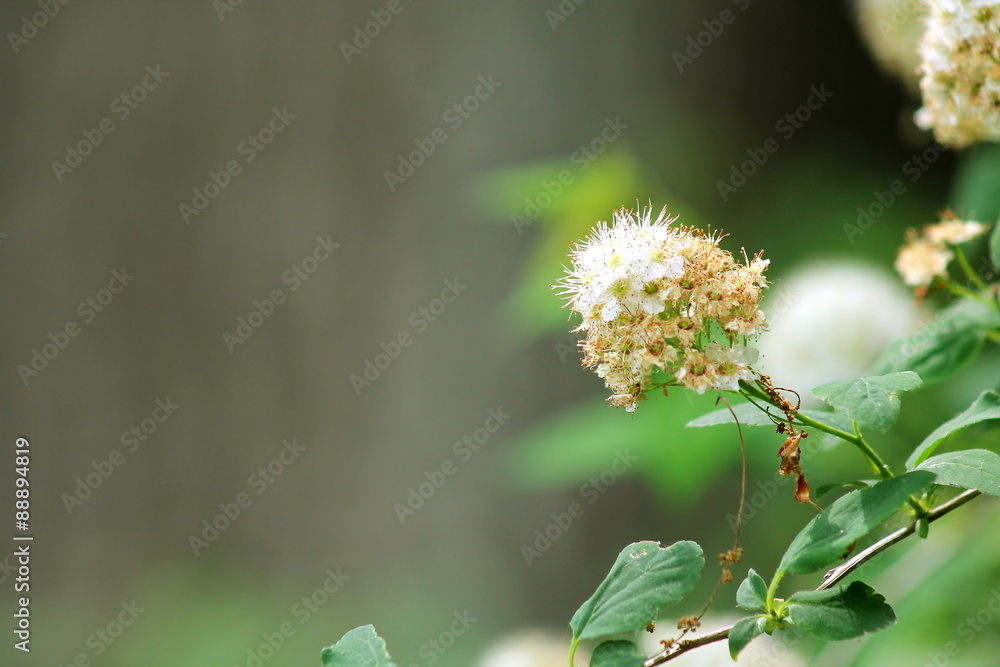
{"x": 329, "y": 385}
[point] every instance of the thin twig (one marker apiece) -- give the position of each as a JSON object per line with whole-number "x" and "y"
{"x": 743, "y": 473}
{"x": 833, "y": 577}
{"x": 726, "y": 575}
{"x": 836, "y": 575}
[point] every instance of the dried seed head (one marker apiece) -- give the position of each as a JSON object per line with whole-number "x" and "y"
{"x": 688, "y": 623}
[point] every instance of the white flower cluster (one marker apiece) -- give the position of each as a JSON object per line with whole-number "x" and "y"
{"x": 960, "y": 68}
{"x": 926, "y": 256}
{"x": 657, "y": 296}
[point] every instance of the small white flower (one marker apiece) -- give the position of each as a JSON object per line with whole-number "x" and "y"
{"x": 921, "y": 260}
{"x": 954, "y": 231}
{"x": 926, "y": 255}
{"x": 698, "y": 372}
{"x": 732, "y": 364}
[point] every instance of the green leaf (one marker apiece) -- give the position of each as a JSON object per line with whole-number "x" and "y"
{"x": 361, "y": 647}
{"x": 645, "y": 578}
{"x": 749, "y": 415}
{"x": 744, "y": 632}
{"x": 964, "y": 312}
{"x": 969, "y": 469}
{"x": 853, "y": 484}
{"x": 752, "y": 593}
{"x": 827, "y": 537}
{"x": 871, "y": 401}
{"x": 617, "y": 654}
{"x": 842, "y": 612}
{"x": 986, "y": 406}
{"x": 942, "y": 347}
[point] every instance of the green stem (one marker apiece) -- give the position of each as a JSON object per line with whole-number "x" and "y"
{"x": 572, "y": 651}
{"x": 963, "y": 261}
{"x": 772, "y": 589}
{"x": 874, "y": 459}
{"x": 819, "y": 426}
{"x": 920, "y": 510}
{"x": 965, "y": 292}
{"x": 878, "y": 466}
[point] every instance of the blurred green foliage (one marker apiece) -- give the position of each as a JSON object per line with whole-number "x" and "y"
{"x": 795, "y": 211}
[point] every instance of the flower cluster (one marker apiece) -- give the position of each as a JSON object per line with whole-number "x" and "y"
{"x": 960, "y": 68}
{"x": 657, "y": 296}
{"x": 926, "y": 255}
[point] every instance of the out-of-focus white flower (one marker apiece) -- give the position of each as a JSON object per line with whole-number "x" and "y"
{"x": 655, "y": 295}
{"x": 921, "y": 260}
{"x": 960, "y": 66}
{"x": 951, "y": 230}
{"x": 530, "y": 648}
{"x": 926, "y": 255}
{"x": 831, "y": 321}
{"x": 892, "y": 30}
